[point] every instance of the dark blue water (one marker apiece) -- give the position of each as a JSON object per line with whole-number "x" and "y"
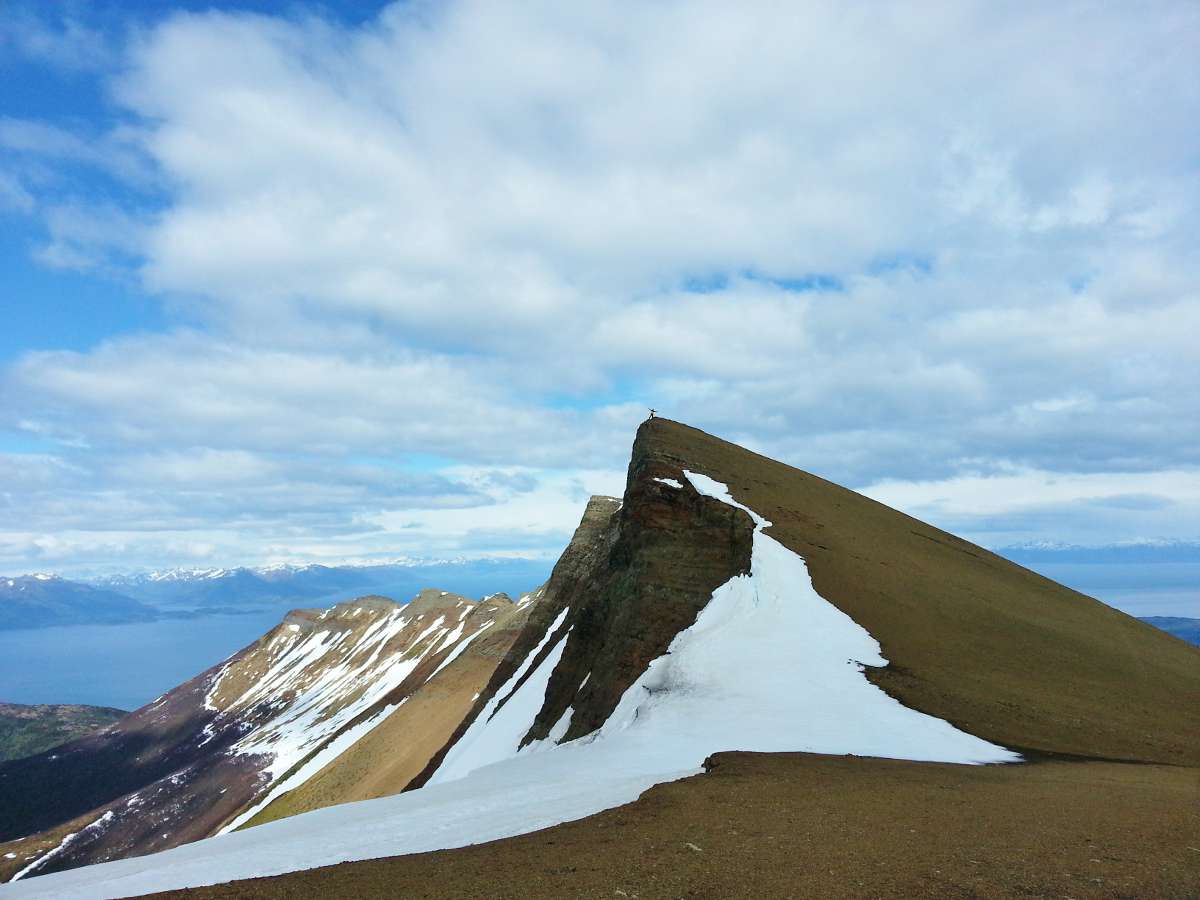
{"x": 119, "y": 665}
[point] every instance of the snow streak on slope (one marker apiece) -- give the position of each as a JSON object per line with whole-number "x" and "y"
{"x": 393, "y": 676}
{"x": 330, "y": 677}
{"x": 312, "y": 766}
{"x": 496, "y": 734}
{"x": 768, "y": 665}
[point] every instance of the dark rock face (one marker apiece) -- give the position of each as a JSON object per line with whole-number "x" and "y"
{"x": 635, "y": 574}
{"x": 670, "y": 549}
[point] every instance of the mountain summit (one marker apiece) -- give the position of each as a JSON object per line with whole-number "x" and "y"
{"x": 726, "y": 602}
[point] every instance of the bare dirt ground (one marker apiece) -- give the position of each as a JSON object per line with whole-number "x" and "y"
{"x": 802, "y": 825}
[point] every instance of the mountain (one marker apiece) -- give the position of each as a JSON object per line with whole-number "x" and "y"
{"x": 35, "y": 601}
{"x": 42, "y": 601}
{"x": 313, "y": 583}
{"x": 25, "y": 730}
{"x": 1184, "y": 629}
{"x": 727, "y": 602}
{"x": 209, "y": 753}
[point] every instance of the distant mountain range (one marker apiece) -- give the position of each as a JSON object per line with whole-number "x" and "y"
{"x": 41, "y": 600}
{"x": 44, "y": 600}
{"x": 1133, "y": 552}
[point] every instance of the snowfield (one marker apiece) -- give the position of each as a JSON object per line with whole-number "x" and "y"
{"x": 769, "y": 665}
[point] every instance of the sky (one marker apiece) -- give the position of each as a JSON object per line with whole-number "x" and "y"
{"x": 329, "y": 282}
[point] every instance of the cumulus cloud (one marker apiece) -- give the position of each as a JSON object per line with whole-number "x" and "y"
{"x": 882, "y": 246}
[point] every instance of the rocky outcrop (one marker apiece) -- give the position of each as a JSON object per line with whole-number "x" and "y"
{"x": 636, "y": 573}
{"x": 671, "y": 549}
{"x": 971, "y": 638}
{"x": 997, "y": 650}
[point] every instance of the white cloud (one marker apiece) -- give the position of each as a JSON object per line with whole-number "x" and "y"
{"x": 1015, "y": 505}
{"x": 480, "y": 232}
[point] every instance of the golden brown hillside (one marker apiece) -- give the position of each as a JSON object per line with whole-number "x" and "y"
{"x": 995, "y": 649}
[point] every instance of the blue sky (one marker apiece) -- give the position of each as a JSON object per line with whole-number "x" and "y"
{"x": 349, "y": 281}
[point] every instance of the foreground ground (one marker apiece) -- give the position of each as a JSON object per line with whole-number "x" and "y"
{"x": 800, "y": 825}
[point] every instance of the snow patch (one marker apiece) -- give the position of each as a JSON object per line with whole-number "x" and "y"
{"x": 454, "y": 654}
{"x": 66, "y": 842}
{"x": 497, "y": 730}
{"x": 327, "y": 754}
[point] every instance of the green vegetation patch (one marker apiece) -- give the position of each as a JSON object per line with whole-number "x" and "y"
{"x": 26, "y": 730}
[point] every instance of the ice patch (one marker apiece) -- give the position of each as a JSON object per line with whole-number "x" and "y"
{"x": 670, "y": 482}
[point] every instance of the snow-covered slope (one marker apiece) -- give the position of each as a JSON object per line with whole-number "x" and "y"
{"x": 322, "y": 671}
{"x": 767, "y": 665}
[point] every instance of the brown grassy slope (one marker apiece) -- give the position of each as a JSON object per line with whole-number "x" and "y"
{"x": 799, "y": 825}
{"x": 972, "y": 638}
{"x": 387, "y": 758}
